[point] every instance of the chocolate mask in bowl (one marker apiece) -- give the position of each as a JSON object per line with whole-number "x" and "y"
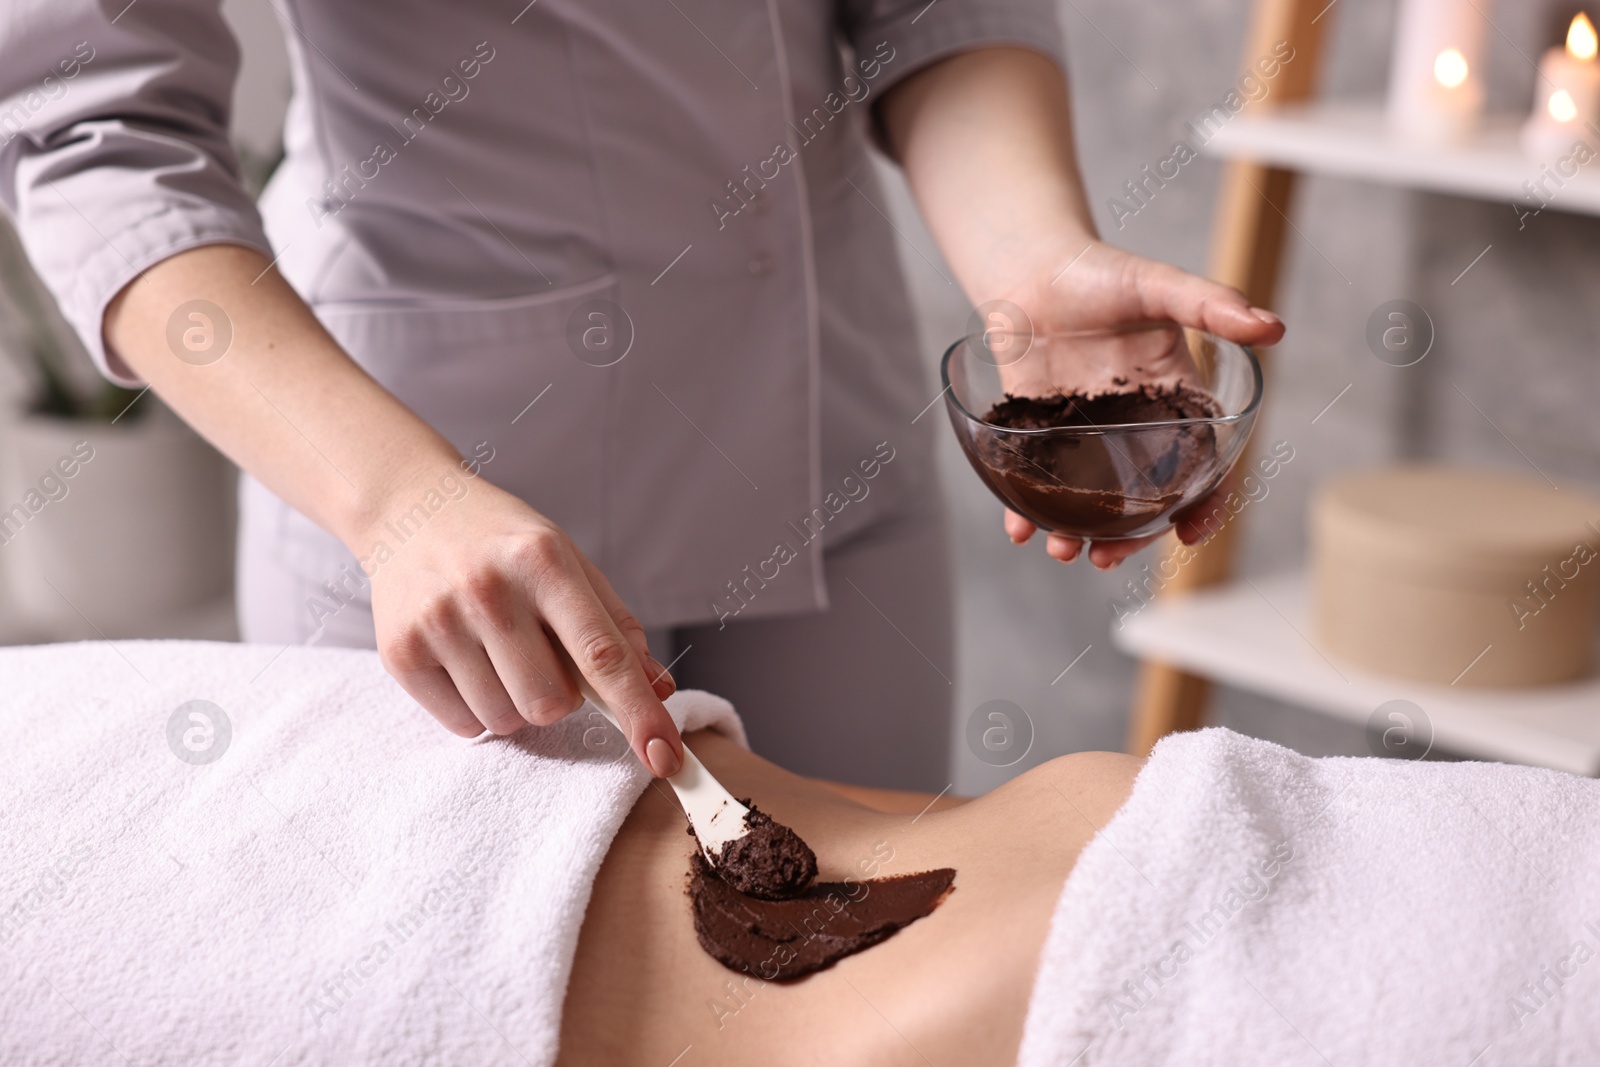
{"x": 1104, "y": 435}
{"x": 1080, "y": 482}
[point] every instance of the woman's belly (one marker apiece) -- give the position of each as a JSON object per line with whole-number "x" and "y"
{"x": 952, "y": 987}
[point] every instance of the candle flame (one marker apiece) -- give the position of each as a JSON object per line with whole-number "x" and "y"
{"x": 1562, "y": 107}
{"x": 1450, "y": 68}
{"x": 1582, "y": 42}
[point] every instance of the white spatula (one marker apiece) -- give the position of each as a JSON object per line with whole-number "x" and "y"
{"x": 717, "y": 818}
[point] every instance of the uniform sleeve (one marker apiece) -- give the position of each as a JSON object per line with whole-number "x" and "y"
{"x": 114, "y": 148}
{"x": 918, "y": 32}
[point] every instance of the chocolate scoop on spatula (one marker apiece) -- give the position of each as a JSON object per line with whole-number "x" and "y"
{"x": 749, "y": 850}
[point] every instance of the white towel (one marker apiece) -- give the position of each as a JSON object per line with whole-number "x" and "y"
{"x": 1252, "y": 906}
{"x": 347, "y": 883}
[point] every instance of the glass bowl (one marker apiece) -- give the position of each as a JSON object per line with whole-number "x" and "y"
{"x": 1155, "y": 416}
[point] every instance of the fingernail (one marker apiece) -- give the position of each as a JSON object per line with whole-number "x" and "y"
{"x": 664, "y": 762}
{"x": 1266, "y": 316}
{"x": 658, "y": 673}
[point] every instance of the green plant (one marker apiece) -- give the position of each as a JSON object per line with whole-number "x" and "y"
{"x": 44, "y": 350}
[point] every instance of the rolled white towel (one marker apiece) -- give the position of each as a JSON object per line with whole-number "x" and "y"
{"x": 344, "y": 882}
{"x": 1248, "y": 905}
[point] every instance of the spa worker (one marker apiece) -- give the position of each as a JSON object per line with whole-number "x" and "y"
{"x": 570, "y": 331}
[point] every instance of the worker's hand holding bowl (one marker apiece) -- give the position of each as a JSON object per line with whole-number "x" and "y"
{"x": 1096, "y": 308}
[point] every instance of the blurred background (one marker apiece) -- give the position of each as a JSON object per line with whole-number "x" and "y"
{"x": 1510, "y": 381}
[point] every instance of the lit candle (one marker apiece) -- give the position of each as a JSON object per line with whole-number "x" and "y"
{"x": 1567, "y": 95}
{"x": 1435, "y": 89}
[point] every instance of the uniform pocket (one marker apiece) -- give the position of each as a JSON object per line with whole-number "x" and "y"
{"x": 520, "y": 385}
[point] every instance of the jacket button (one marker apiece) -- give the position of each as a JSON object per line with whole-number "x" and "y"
{"x": 760, "y": 265}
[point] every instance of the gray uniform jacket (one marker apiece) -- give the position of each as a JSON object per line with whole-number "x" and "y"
{"x": 657, "y": 217}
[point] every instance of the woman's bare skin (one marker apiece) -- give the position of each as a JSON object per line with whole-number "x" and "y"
{"x": 950, "y": 989}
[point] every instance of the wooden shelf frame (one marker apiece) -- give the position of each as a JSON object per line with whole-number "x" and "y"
{"x": 1252, "y": 222}
{"x": 1226, "y": 633}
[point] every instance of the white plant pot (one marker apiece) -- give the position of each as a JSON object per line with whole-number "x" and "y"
{"x": 141, "y": 529}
